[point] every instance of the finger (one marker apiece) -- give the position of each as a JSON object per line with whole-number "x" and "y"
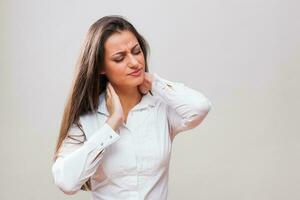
{"x": 148, "y": 81}
{"x": 108, "y": 95}
{"x": 143, "y": 90}
{"x": 108, "y": 86}
{"x": 107, "y": 89}
{"x": 107, "y": 98}
{"x": 108, "y": 92}
{"x": 146, "y": 86}
{"x": 111, "y": 88}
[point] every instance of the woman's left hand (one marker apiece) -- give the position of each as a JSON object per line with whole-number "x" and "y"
{"x": 147, "y": 83}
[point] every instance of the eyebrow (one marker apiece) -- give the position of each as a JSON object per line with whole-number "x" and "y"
{"x": 120, "y": 52}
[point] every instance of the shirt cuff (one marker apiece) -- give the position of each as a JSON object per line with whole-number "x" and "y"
{"x": 103, "y": 137}
{"x": 163, "y": 88}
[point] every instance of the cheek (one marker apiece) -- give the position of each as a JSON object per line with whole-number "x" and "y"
{"x": 116, "y": 72}
{"x": 141, "y": 58}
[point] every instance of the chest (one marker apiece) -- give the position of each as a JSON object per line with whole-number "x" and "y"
{"x": 144, "y": 147}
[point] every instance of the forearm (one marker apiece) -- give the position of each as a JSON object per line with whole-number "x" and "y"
{"x": 186, "y": 107}
{"x": 77, "y": 162}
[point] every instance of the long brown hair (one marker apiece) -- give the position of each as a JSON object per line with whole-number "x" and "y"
{"x": 88, "y": 83}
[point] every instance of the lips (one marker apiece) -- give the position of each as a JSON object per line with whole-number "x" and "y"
{"x": 136, "y": 71}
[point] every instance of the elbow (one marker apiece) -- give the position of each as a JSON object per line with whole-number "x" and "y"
{"x": 67, "y": 191}
{"x": 200, "y": 112}
{"x": 67, "y": 186}
{"x": 203, "y": 108}
{"x": 208, "y": 106}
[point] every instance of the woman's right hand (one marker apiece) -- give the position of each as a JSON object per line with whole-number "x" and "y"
{"x": 114, "y": 107}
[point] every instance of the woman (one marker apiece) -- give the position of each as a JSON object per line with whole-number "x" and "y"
{"x": 120, "y": 120}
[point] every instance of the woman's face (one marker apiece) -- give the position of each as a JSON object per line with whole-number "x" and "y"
{"x": 123, "y": 55}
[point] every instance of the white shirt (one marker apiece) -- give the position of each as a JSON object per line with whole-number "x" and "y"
{"x": 132, "y": 164}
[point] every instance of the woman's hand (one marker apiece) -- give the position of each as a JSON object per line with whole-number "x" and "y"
{"x": 147, "y": 84}
{"x": 114, "y": 107}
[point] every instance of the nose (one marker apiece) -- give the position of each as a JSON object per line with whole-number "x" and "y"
{"x": 133, "y": 62}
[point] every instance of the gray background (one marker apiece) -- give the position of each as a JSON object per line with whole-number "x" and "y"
{"x": 243, "y": 55}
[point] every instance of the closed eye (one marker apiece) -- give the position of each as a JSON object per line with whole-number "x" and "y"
{"x": 138, "y": 51}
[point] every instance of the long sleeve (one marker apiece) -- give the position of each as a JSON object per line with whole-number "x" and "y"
{"x": 77, "y": 162}
{"x": 186, "y": 107}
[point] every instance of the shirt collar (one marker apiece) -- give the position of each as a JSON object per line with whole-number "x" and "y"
{"x": 147, "y": 101}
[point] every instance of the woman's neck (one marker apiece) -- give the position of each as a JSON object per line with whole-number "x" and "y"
{"x": 128, "y": 98}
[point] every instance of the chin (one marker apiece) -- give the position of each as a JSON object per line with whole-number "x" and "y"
{"x": 136, "y": 81}
{"x": 139, "y": 80}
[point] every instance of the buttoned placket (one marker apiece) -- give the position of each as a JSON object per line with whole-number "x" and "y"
{"x": 133, "y": 180}
{"x": 129, "y": 127}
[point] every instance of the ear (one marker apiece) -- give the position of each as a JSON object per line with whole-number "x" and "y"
{"x": 102, "y": 71}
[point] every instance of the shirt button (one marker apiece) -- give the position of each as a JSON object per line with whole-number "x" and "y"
{"x": 110, "y": 136}
{"x": 101, "y": 144}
